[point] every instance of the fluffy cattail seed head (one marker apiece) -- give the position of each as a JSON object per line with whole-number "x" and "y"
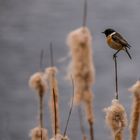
{"x": 59, "y": 137}
{"x": 38, "y": 83}
{"x": 51, "y": 72}
{"x": 135, "y": 112}
{"x": 135, "y": 89}
{"x": 79, "y": 37}
{"x": 116, "y": 117}
{"x": 54, "y": 98}
{"x": 36, "y": 133}
{"x": 81, "y": 66}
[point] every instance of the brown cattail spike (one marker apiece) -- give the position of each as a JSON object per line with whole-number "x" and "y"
{"x": 54, "y": 99}
{"x": 135, "y": 115}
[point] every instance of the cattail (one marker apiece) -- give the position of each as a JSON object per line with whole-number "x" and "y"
{"x": 82, "y": 69}
{"x": 116, "y": 119}
{"x": 59, "y": 137}
{"x": 37, "y": 132}
{"x": 38, "y": 83}
{"x": 135, "y": 116}
{"x": 54, "y": 100}
{"x": 81, "y": 66}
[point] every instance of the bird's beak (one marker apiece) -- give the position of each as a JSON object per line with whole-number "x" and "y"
{"x": 102, "y": 32}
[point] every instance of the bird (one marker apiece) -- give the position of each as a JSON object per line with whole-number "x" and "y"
{"x": 116, "y": 42}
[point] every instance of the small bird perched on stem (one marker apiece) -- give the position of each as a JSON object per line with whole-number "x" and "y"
{"x": 117, "y": 42}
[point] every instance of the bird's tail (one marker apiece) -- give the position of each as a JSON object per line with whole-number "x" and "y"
{"x": 128, "y": 53}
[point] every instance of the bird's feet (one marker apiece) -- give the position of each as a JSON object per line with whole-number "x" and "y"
{"x": 114, "y": 56}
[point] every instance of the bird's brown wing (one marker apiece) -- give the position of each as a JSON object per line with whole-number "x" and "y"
{"x": 119, "y": 39}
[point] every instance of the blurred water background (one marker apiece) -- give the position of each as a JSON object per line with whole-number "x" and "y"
{"x": 27, "y": 26}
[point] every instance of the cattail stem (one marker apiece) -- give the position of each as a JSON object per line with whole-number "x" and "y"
{"x": 70, "y": 109}
{"x": 81, "y": 123}
{"x": 41, "y": 115}
{"x": 55, "y": 112}
{"x": 41, "y": 111}
{"x": 91, "y": 130}
{"x": 118, "y": 136}
{"x": 116, "y": 78}
{"x": 85, "y": 13}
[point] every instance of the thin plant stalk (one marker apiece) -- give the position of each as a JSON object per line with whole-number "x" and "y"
{"x": 41, "y": 115}
{"x": 55, "y": 112}
{"x": 85, "y": 13}
{"x": 65, "y": 131}
{"x": 116, "y": 78}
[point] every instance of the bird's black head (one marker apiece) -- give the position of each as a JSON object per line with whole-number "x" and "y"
{"x": 107, "y": 32}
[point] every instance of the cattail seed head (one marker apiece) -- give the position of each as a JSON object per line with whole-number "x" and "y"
{"x": 81, "y": 67}
{"x": 59, "y": 137}
{"x": 54, "y": 105}
{"x": 51, "y": 72}
{"x": 82, "y": 70}
{"x": 135, "y": 89}
{"x": 36, "y": 133}
{"x": 116, "y": 118}
{"x": 38, "y": 83}
{"x": 135, "y": 111}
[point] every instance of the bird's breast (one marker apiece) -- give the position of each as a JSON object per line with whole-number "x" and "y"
{"x": 113, "y": 44}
